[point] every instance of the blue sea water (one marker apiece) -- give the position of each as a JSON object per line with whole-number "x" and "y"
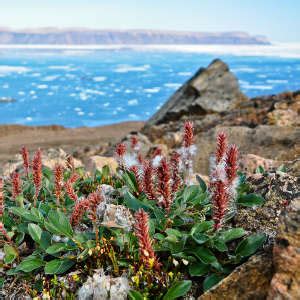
{"x": 90, "y": 88}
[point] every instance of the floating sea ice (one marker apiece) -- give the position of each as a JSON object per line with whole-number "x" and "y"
{"x": 172, "y": 85}
{"x": 129, "y": 68}
{"x": 99, "y": 78}
{"x": 13, "y": 69}
{"x": 152, "y": 90}
{"x": 50, "y": 78}
{"x": 133, "y": 102}
{"x": 184, "y": 73}
{"x": 42, "y": 86}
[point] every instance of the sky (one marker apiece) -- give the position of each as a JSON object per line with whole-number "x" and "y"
{"x": 277, "y": 19}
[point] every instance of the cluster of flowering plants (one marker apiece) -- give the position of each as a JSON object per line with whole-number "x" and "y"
{"x": 150, "y": 231}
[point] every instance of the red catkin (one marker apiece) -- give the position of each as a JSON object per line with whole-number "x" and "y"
{"x": 164, "y": 184}
{"x": 231, "y": 163}
{"x": 1, "y": 199}
{"x": 221, "y": 147}
{"x": 4, "y": 232}
{"x": 78, "y": 211}
{"x": 25, "y": 156}
{"x": 37, "y": 171}
{"x": 220, "y": 200}
{"x": 69, "y": 187}
{"x": 188, "y": 134}
{"x": 176, "y": 179}
{"x": 146, "y": 252}
{"x": 16, "y": 185}
{"x": 120, "y": 152}
{"x": 148, "y": 180}
{"x": 58, "y": 181}
{"x": 94, "y": 200}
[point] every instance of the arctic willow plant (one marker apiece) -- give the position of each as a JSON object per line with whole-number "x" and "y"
{"x": 146, "y": 232}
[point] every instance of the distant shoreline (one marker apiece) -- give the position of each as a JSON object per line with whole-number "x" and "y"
{"x": 284, "y": 50}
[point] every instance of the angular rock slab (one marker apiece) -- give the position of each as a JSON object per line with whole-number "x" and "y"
{"x": 211, "y": 90}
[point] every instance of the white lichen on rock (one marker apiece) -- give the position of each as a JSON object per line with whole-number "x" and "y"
{"x": 104, "y": 287}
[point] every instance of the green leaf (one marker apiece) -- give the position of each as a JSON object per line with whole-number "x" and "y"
{"x": 24, "y": 213}
{"x": 35, "y": 232}
{"x": 135, "y": 295}
{"x": 175, "y": 232}
{"x": 201, "y": 183}
{"x": 10, "y": 253}
{"x": 59, "y": 247}
{"x": 232, "y": 234}
{"x": 191, "y": 192}
{"x": 202, "y": 227}
{"x": 178, "y": 289}
{"x": 220, "y": 245}
{"x": 58, "y": 221}
{"x": 250, "y": 200}
{"x": 130, "y": 181}
{"x": 45, "y": 240}
{"x": 250, "y": 245}
{"x": 197, "y": 232}
{"x": 205, "y": 255}
{"x": 133, "y": 203}
{"x": 211, "y": 280}
{"x": 58, "y": 266}
{"x": 200, "y": 238}
{"x": 30, "y": 263}
{"x": 36, "y": 214}
{"x": 198, "y": 269}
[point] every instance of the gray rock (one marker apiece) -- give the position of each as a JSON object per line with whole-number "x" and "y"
{"x": 211, "y": 90}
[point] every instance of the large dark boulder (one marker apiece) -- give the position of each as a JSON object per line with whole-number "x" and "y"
{"x": 211, "y": 90}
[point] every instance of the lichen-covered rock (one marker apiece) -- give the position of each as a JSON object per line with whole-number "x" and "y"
{"x": 117, "y": 216}
{"x": 285, "y": 283}
{"x": 251, "y": 280}
{"x": 250, "y": 162}
{"x": 278, "y": 189}
{"x": 284, "y": 114}
{"x": 97, "y": 162}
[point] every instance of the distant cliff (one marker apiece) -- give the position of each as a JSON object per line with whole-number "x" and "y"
{"x": 78, "y": 36}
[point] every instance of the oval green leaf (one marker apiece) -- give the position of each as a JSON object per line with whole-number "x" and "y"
{"x": 35, "y": 232}
{"x": 58, "y": 266}
{"x": 250, "y": 245}
{"x": 30, "y": 263}
{"x": 178, "y": 289}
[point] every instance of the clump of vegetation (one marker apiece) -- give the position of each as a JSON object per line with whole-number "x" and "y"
{"x": 146, "y": 232}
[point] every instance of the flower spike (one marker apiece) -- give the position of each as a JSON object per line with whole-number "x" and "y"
{"x": 147, "y": 254}
{"x": 37, "y": 172}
